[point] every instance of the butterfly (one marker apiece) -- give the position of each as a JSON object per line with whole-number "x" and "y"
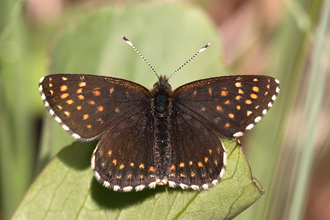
{"x": 159, "y": 136}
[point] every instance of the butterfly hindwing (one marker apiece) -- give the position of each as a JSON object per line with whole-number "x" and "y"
{"x": 198, "y": 156}
{"x": 88, "y": 105}
{"x": 123, "y": 159}
{"x": 228, "y": 105}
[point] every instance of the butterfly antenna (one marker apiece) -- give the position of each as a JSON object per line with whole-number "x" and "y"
{"x": 138, "y": 52}
{"x": 198, "y": 52}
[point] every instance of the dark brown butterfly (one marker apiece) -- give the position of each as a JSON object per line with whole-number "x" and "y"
{"x": 159, "y": 136}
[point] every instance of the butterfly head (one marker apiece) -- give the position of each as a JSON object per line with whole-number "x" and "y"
{"x": 162, "y": 86}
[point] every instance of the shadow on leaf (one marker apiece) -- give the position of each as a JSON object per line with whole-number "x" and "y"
{"x": 78, "y": 155}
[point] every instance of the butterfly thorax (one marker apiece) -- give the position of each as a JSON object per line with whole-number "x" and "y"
{"x": 161, "y": 98}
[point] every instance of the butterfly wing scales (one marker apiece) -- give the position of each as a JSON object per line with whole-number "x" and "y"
{"x": 123, "y": 159}
{"x": 228, "y": 105}
{"x": 198, "y": 157}
{"x": 84, "y": 108}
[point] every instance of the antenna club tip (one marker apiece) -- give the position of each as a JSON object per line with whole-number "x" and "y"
{"x": 123, "y": 37}
{"x": 127, "y": 41}
{"x": 207, "y": 45}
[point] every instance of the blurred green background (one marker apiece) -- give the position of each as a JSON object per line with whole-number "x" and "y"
{"x": 288, "y": 150}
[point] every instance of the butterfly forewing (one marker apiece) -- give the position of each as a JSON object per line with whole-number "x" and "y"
{"x": 228, "y": 105}
{"x": 88, "y": 105}
{"x": 198, "y": 157}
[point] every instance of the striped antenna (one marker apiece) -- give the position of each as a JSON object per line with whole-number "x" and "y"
{"x": 138, "y": 52}
{"x": 198, "y": 52}
{"x": 152, "y": 68}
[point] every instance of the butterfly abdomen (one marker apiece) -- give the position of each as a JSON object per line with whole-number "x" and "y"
{"x": 162, "y": 149}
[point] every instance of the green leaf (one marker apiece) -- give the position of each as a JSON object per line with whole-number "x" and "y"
{"x": 167, "y": 35}
{"x": 66, "y": 189}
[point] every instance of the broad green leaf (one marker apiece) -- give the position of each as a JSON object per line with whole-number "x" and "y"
{"x": 66, "y": 189}
{"x": 167, "y": 35}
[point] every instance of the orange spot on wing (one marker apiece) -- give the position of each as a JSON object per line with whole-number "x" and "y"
{"x": 248, "y": 102}
{"x": 63, "y": 88}
{"x": 254, "y": 96}
{"x": 255, "y": 89}
{"x": 82, "y": 84}
{"x": 224, "y": 93}
{"x": 96, "y": 93}
{"x": 64, "y": 95}
{"x": 210, "y": 91}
